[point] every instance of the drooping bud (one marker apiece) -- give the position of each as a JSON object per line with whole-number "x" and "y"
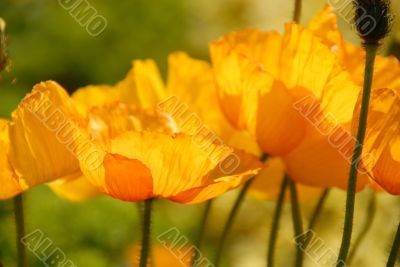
{"x": 373, "y": 19}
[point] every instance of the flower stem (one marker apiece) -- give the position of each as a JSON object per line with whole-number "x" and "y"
{"x": 230, "y": 220}
{"x": 318, "y": 209}
{"x": 275, "y": 223}
{"x": 200, "y": 238}
{"x": 144, "y": 254}
{"x": 297, "y": 11}
{"x": 20, "y": 229}
{"x": 395, "y": 249}
{"x": 297, "y": 221}
{"x": 314, "y": 218}
{"x": 369, "y": 218}
{"x": 352, "y": 182}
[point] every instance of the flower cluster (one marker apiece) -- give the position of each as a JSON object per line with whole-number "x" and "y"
{"x": 292, "y": 99}
{"x": 289, "y": 96}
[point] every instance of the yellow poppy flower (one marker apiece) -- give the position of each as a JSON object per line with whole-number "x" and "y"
{"x": 192, "y": 81}
{"x": 43, "y": 132}
{"x": 134, "y": 177}
{"x": 104, "y": 123}
{"x": 10, "y": 186}
{"x": 261, "y": 73}
{"x": 381, "y": 151}
{"x": 142, "y": 87}
{"x": 291, "y": 93}
{"x": 144, "y": 165}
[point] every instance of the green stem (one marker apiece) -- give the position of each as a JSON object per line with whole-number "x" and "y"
{"x": 200, "y": 238}
{"x": 318, "y": 209}
{"x": 144, "y": 254}
{"x": 275, "y": 223}
{"x": 314, "y": 218}
{"x": 369, "y": 218}
{"x": 297, "y": 221}
{"x": 230, "y": 221}
{"x": 297, "y": 11}
{"x": 352, "y": 182}
{"x": 395, "y": 249}
{"x": 20, "y": 229}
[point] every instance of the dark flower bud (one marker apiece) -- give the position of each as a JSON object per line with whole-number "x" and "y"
{"x": 373, "y": 20}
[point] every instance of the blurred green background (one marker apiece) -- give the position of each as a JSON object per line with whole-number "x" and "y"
{"x": 45, "y": 42}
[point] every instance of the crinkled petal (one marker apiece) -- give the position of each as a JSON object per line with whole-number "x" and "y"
{"x": 324, "y": 25}
{"x": 42, "y": 133}
{"x": 196, "y": 104}
{"x": 161, "y": 165}
{"x": 93, "y": 96}
{"x": 238, "y": 59}
{"x": 381, "y": 151}
{"x": 109, "y": 121}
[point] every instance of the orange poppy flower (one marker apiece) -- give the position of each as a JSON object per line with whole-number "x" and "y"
{"x": 293, "y": 95}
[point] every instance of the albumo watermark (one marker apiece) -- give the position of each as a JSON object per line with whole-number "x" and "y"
{"x": 86, "y": 15}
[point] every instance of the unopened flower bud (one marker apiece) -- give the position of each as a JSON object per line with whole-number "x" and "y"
{"x": 373, "y": 20}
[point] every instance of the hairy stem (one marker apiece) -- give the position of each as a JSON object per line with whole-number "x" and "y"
{"x": 230, "y": 220}
{"x": 352, "y": 181}
{"x": 297, "y": 220}
{"x": 20, "y": 229}
{"x": 145, "y": 249}
{"x": 275, "y": 223}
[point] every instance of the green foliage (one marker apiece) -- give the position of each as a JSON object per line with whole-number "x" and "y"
{"x": 46, "y": 42}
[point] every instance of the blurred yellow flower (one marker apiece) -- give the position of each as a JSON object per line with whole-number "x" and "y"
{"x": 74, "y": 188}
{"x": 268, "y": 183}
{"x": 162, "y": 256}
